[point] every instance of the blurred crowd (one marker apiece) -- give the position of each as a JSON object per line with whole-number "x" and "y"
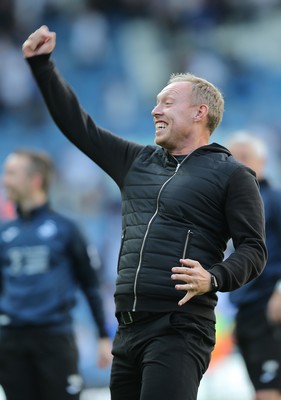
{"x": 117, "y": 54}
{"x": 128, "y": 48}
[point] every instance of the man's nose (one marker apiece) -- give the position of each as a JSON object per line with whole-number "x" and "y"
{"x": 156, "y": 110}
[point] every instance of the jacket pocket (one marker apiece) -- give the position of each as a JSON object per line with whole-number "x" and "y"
{"x": 121, "y": 247}
{"x": 187, "y": 244}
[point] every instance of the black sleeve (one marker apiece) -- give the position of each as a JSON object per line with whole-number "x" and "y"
{"x": 245, "y": 216}
{"x": 112, "y": 153}
{"x": 87, "y": 277}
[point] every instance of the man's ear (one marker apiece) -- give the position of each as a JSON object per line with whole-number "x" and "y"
{"x": 201, "y": 112}
{"x": 37, "y": 180}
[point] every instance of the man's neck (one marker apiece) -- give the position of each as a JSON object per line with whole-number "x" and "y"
{"x": 30, "y": 204}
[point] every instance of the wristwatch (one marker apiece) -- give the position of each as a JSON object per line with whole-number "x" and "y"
{"x": 214, "y": 284}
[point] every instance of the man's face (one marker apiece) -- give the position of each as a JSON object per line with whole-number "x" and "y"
{"x": 247, "y": 154}
{"x": 173, "y": 116}
{"x": 16, "y": 178}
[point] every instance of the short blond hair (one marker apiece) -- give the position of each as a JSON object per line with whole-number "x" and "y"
{"x": 40, "y": 162}
{"x": 204, "y": 92}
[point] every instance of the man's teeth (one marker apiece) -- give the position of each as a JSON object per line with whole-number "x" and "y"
{"x": 160, "y": 126}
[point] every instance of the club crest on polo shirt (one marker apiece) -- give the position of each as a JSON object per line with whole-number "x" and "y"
{"x": 9, "y": 234}
{"x": 47, "y": 229}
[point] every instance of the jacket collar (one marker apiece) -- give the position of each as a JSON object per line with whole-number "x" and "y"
{"x": 209, "y": 148}
{"x": 33, "y": 212}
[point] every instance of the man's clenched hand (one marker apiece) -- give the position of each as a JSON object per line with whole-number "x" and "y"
{"x": 42, "y": 41}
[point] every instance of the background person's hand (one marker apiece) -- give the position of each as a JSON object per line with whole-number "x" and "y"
{"x": 274, "y": 307}
{"x": 104, "y": 352}
{"x": 197, "y": 280}
{"x": 42, "y": 41}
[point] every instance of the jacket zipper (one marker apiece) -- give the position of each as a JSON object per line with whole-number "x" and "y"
{"x": 148, "y": 227}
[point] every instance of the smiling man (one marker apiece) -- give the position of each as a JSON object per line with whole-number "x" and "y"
{"x": 183, "y": 199}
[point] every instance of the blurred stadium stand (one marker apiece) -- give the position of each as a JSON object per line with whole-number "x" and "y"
{"x": 117, "y": 55}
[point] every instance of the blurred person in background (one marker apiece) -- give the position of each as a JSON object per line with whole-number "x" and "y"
{"x": 43, "y": 261}
{"x": 181, "y": 202}
{"x": 258, "y": 318}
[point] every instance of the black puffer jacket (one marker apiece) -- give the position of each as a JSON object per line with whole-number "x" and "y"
{"x": 187, "y": 210}
{"x": 170, "y": 210}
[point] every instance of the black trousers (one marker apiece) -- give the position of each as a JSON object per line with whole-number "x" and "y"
{"x": 161, "y": 358}
{"x": 35, "y": 365}
{"x": 259, "y": 342}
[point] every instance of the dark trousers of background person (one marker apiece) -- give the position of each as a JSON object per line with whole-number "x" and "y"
{"x": 35, "y": 365}
{"x": 161, "y": 357}
{"x": 259, "y": 341}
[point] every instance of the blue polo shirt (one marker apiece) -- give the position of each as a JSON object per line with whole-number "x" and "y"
{"x": 43, "y": 260}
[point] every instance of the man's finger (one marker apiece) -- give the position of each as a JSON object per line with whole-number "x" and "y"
{"x": 184, "y": 299}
